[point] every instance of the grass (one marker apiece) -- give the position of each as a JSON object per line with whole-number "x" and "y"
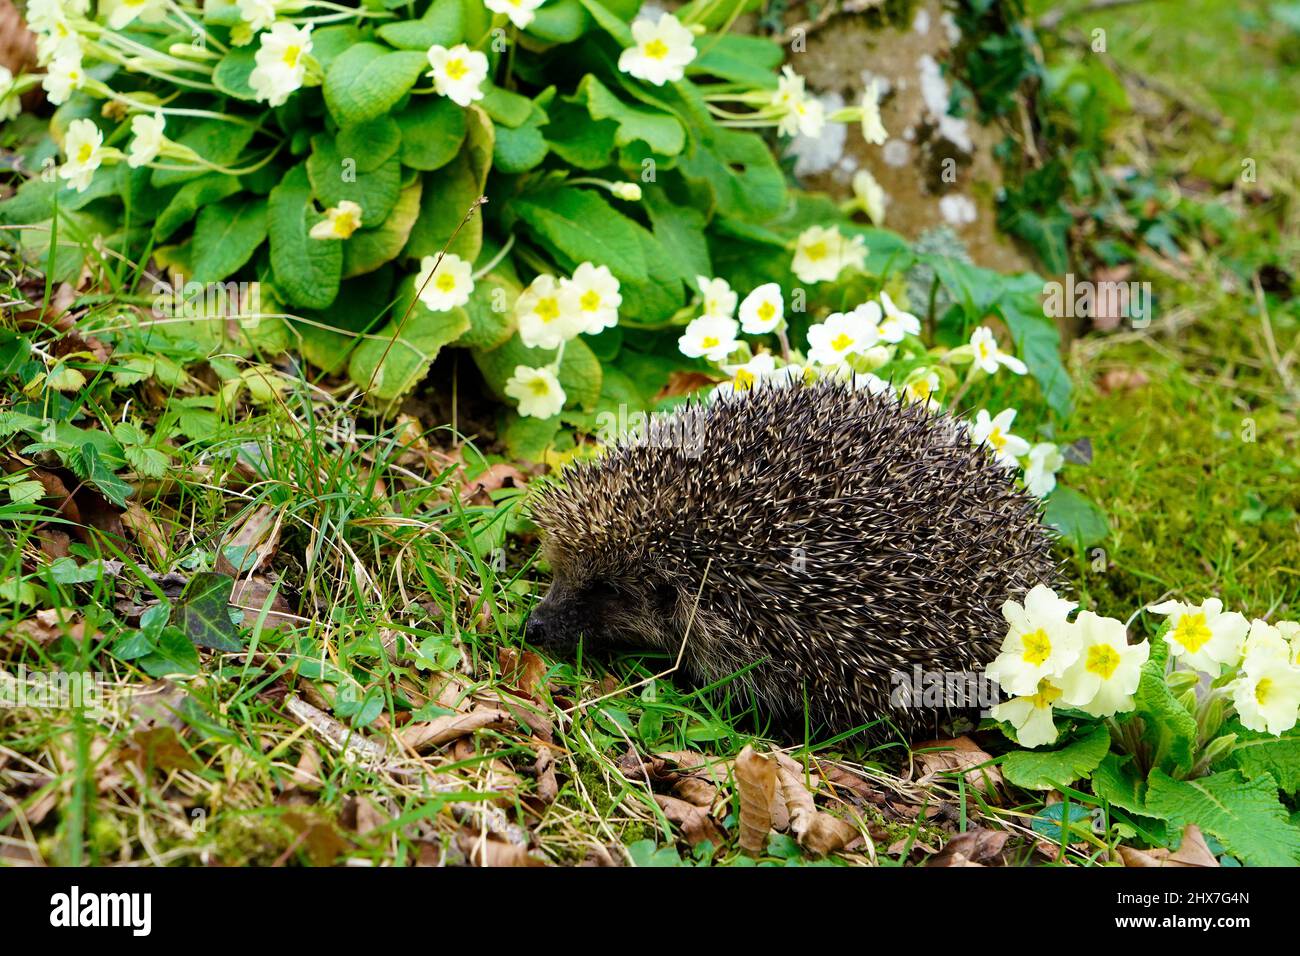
{"x": 389, "y": 572}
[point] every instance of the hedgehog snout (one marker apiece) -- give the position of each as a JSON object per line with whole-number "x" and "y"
{"x": 556, "y": 622}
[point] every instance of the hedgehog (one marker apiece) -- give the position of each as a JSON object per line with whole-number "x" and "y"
{"x": 808, "y": 546}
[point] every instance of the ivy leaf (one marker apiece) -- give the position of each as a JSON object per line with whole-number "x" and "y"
{"x": 1050, "y": 769}
{"x": 226, "y": 235}
{"x": 173, "y": 654}
{"x": 368, "y": 79}
{"x": 307, "y": 270}
{"x": 203, "y": 612}
{"x": 1245, "y": 815}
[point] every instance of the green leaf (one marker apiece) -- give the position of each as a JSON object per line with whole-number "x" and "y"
{"x": 749, "y": 60}
{"x": 92, "y": 466}
{"x": 1050, "y": 769}
{"x": 404, "y": 348}
{"x": 1244, "y": 815}
{"x": 610, "y": 22}
{"x": 433, "y": 127}
{"x": 741, "y": 174}
{"x": 1038, "y": 342}
{"x": 232, "y": 73}
{"x": 442, "y": 24}
{"x": 218, "y": 141}
{"x": 580, "y": 370}
{"x": 190, "y": 198}
{"x": 660, "y": 131}
{"x": 1075, "y": 517}
{"x": 491, "y": 311}
{"x": 361, "y": 305}
{"x": 226, "y": 235}
{"x": 680, "y": 231}
{"x": 366, "y": 80}
{"x": 203, "y": 612}
{"x": 1116, "y": 782}
{"x": 1167, "y": 727}
{"x": 147, "y": 462}
{"x": 449, "y": 193}
{"x": 560, "y": 21}
{"x": 368, "y": 249}
{"x": 582, "y": 227}
{"x": 173, "y": 654}
{"x": 519, "y": 150}
{"x": 506, "y": 107}
{"x": 527, "y": 439}
{"x": 307, "y": 271}
{"x": 336, "y": 177}
{"x": 578, "y": 139}
{"x": 1258, "y": 754}
{"x": 371, "y": 143}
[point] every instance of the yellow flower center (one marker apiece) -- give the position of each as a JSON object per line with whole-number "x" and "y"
{"x": 445, "y": 282}
{"x": 710, "y": 342}
{"x": 590, "y": 300}
{"x": 84, "y": 152}
{"x": 548, "y": 310}
{"x": 815, "y": 251}
{"x": 1038, "y": 647}
{"x": 841, "y": 342}
{"x": 291, "y": 54}
{"x": 1045, "y": 696}
{"x": 997, "y": 439}
{"x": 345, "y": 223}
{"x": 1102, "y": 660}
{"x": 984, "y": 350}
{"x": 1192, "y": 632}
{"x": 766, "y": 311}
{"x": 1262, "y": 690}
{"x": 656, "y": 49}
{"x": 744, "y": 380}
{"x": 539, "y": 386}
{"x": 456, "y": 68}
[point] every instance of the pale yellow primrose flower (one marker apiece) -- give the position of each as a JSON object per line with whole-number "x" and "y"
{"x": 870, "y": 196}
{"x": 447, "y": 287}
{"x": 549, "y": 314}
{"x": 745, "y": 377}
{"x": 660, "y": 51}
{"x": 84, "y": 144}
{"x": 537, "y": 391}
{"x": 1203, "y": 636}
{"x": 147, "y": 139}
{"x": 520, "y": 12}
{"x": 988, "y": 356}
{"x": 122, "y": 12}
{"x": 821, "y": 253}
{"x": 719, "y": 299}
{"x": 1101, "y": 682}
{"x": 709, "y": 336}
{"x": 762, "y": 310}
{"x": 10, "y": 106}
{"x": 340, "y": 222}
{"x": 1040, "y": 643}
{"x": 258, "y": 14}
{"x": 840, "y": 335}
{"x": 281, "y": 62}
{"x": 896, "y": 324}
{"x": 1042, "y": 463}
{"x": 597, "y": 295}
{"x": 1267, "y": 694}
{"x": 458, "y": 73}
{"x": 996, "y": 433}
{"x": 1031, "y": 715}
{"x": 63, "y": 76}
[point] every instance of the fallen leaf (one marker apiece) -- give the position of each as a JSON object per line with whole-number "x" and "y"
{"x": 318, "y": 837}
{"x": 697, "y": 826}
{"x": 160, "y": 748}
{"x": 524, "y": 670}
{"x": 756, "y": 781}
{"x": 817, "y": 832}
{"x": 49, "y": 624}
{"x": 544, "y": 770}
{"x": 442, "y": 730}
{"x": 973, "y": 848}
{"x": 254, "y": 542}
{"x": 1192, "y": 852}
{"x": 250, "y": 596}
{"x": 481, "y": 850}
{"x": 147, "y": 533}
{"x": 936, "y": 758}
{"x": 696, "y": 791}
{"x": 1121, "y": 380}
{"x": 685, "y": 383}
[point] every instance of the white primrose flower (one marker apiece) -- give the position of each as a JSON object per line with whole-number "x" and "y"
{"x": 1101, "y": 682}
{"x": 1203, "y": 636}
{"x": 821, "y": 253}
{"x": 1042, "y": 463}
{"x": 447, "y": 286}
{"x": 84, "y": 146}
{"x": 719, "y": 299}
{"x": 280, "y": 59}
{"x": 869, "y": 382}
{"x": 988, "y": 356}
{"x": 762, "y": 310}
{"x": 1040, "y": 643}
{"x": 520, "y": 12}
{"x": 1267, "y": 694}
{"x": 870, "y": 195}
{"x": 1290, "y": 631}
{"x": 744, "y": 377}
{"x": 710, "y": 336}
{"x": 55, "y": 36}
{"x": 597, "y": 295}
{"x": 62, "y": 77}
{"x": 342, "y": 221}
{"x": 1031, "y": 715}
{"x": 458, "y": 73}
{"x": 10, "y": 106}
{"x": 146, "y": 139}
{"x": 660, "y": 52}
{"x": 873, "y": 130}
{"x": 537, "y": 391}
{"x": 920, "y": 386}
{"x": 122, "y": 12}
{"x": 896, "y": 324}
{"x": 548, "y": 313}
{"x": 840, "y": 335}
{"x": 996, "y": 433}
{"x": 800, "y": 113}
{"x": 258, "y": 14}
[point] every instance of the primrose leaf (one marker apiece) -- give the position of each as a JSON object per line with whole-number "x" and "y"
{"x": 307, "y": 271}
{"x": 1050, "y": 769}
{"x": 367, "y": 80}
{"x": 1245, "y": 815}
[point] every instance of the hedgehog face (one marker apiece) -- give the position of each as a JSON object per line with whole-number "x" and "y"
{"x": 602, "y": 612}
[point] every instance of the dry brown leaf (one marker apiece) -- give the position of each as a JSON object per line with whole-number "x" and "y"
{"x": 1121, "y": 380}
{"x": 756, "y": 781}
{"x": 493, "y": 478}
{"x": 443, "y": 730}
{"x": 258, "y": 535}
{"x": 318, "y": 837}
{"x": 544, "y": 769}
{"x": 696, "y": 791}
{"x": 938, "y": 757}
{"x": 817, "y": 832}
{"x": 524, "y": 670}
{"x": 250, "y": 596}
{"x": 697, "y": 826}
{"x": 685, "y": 383}
{"x": 49, "y": 624}
{"x": 370, "y": 816}
{"x": 308, "y": 773}
{"x": 146, "y": 531}
{"x": 482, "y": 850}
{"x": 1192, "y": 852}
{"x": 973, "y": 848}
